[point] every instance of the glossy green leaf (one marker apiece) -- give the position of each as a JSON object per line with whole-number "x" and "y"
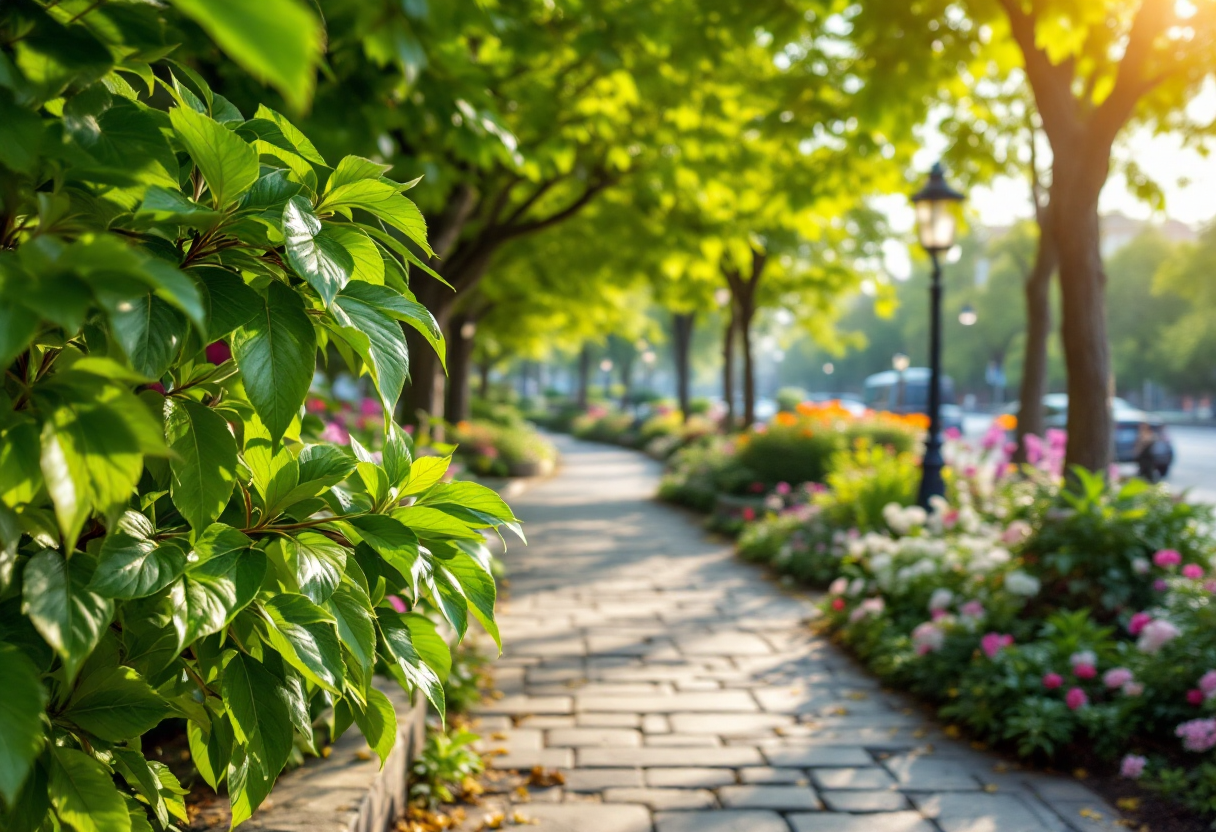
{"x": 424, "y": 473}
{"x": 383, "y": 201}
{"x": 389, "y": 538}
{"x": 377, "y": 722}
{"x": 21, "y": 728}
{"x": 401, "y": 308}
{"x": 261, "y": 723}
{"x": 65, "y": 612}
{"x": 315, "y": 254}
{"x": 229, "y": 164}
{"x": 433, "y": 523}
{"x": 318, "y": 563}
{"x": 213, "y": 591}
{"x": 276, "y": 472}
{"x": 368, "y": 262}
{"x": 203, "y": 462}
{"x": 132, "y": 564}
{"x": 378, "y": 340}
{"x": 470, "y": 567}
{"x": 84, "y": 795}
{"x": 229, "y": 301}
{"x": 115, "y": 704}
{"x": 174, "y": 207}
{"x": 400, "y": 643}
{"x": 276, "y": 353}
{"x": 354, "y": 169}
{"x": 306, "y": 637}
{"x": 356, "y": 627}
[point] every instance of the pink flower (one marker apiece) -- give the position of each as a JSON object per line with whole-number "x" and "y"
{"x": 749, "y": 513}
{"x": 972, "y": 609}
{"x": 1133, "y": 689}
{"x": 1160, "y": 585}
{"x": 1084, "y": 671}
{"x": 838, "y": 586}
{"x": 1156, "y": 634}
{"x": 838, "y": 604}
{"x": 335, "y": 433}
{"x": 1051, "y": 681}
{"x": 1016, "y": 532}
{"x": 396, "y": 603}
{"x": 1198, "y": 734}
{"x": 868, "y": 607}
{"x": 1138, "y": 623}
{"x": 1207, "y": 684}
{"x": 1193, "y": 571}
{"x": 1167, "y": 558}
{"x": 1210, "y": 586}
{"x": 370, "y": 407}
{"x": 1076, "y": 699}
{"x": 783, "y": 488}
{"x": 938, "y": 614}
{"x": 315, "y": 405}
{"x": 927, "y": 637}
{"x": 218, "y": 352}
{"x": 1194, "y": 696}
{"x": 993, "y": 643}
{"x": 1117, "y": 677}
{"x": 953, "y": 434}
{"x": 1132, "y": 766}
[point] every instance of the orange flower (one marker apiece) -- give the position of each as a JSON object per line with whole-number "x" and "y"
{"x": 1007, "y": 421}
{"x": 785, "y": 419}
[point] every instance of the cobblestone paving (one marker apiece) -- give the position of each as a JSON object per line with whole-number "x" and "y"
{"x": 679, "y": 690}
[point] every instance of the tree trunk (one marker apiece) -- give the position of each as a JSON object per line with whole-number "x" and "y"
{"x": 483, "y": 384}
{"x": 460, "y": 363}
{"x": 746, "y": 313}
{"x": 584, "y": 376}
{"x": 682, "y": 324}
{"x": 1076, "y": 184}
{"x": 423, "y": 394}
{"x": 1038, "y": 329}
{"x": 626, "y": 382}
{"x": 728, "y": 368}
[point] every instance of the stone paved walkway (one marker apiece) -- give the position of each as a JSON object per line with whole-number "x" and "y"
{"x": 679, "y": 690}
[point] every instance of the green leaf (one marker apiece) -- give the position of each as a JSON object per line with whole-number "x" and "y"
{"x": 430, "y": 645}
{"x": 127, "y": 137}
{"x": 383, "y": 201}
{"x": 211, "y": 749}
{"x": 115, "y": 704}
{"x": 269, "y": 194}
{"x": 425, "y": 472}
{"x": 470, "y": 495}
{"x": 396, "y": 455}
{"x": 377, "y": 722}
{"x": 203, "y": 462}
{"x": 356, "y": 627}
{"x": 389, "y": 538}
{"x": 84, "y": 795}
{"x": 170, "y": 206}
{"x": 134, "y": 768}
{"x": 378, "y": 340}
{"x": 277, "y": 354}
{"x": 68, "y": 615}
{"x": 303, "y": 146}
{"x": 275, "y": 472}
{"x": 132, "y": 564}
{"x": 214, "y": 590}
{"x": 314, "y": 253}
{"x": 306, "y": 636}
{"x": 368, "y": 262}
{"x": 297, "y": 708}
{"x": 150, "y": 332}
{"x": 429, "y": 522}
{"x": 20, "y": 135}
{"x": 318, "y": 563}
{"x": 261, "y": 723}
{"x": 401, "y": 308}
{"x": 354, "y": 169}
{"x": 230, "y": 302}
{"x": 22, "y": 732}
{"x": 469, "y": 566}
{"x": 324, "y": 466}
{"x": 400, "y": 642}
{"x": 228, "y": 164}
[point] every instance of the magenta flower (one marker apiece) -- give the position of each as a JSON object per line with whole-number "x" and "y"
{"x": 1194, "y": 696}
{"x": 1083, "y": 670}
{"x": 335, "y": 433}
{"x": 1193, "y": 571}
{"x": 1197, "y": 734}
{"x": 953, "y": 434}
{"x": 1132, "y": 766}
{"x": 218, "y": 352}
{"x": 1117, "y": 677}
{"x": 1160, "y": 585}
{"x": 1138, "y": 623}
{"x": 993, "y": 643}
{"x": 1076, "y": 699}
{"x": 749, "y": 513}
{"x": 1167, "y": 558}
{"x": 1207, "y": 684}
{"x": 1051, "y": 681}
{"x": 972, "y": 609}
{"x": 396, "y": 603}
{"x": 783, "y": 488}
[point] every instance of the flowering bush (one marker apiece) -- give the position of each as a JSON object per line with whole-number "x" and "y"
{"x": 600, "y": 424}
{"x": 497, "y": 449}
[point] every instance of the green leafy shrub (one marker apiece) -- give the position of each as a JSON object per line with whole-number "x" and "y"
{"x": 169, "y": 546}
{"x": 698, "y": 473}
{"x": 865, "y": 480}
{"x": 601, "y": 425}
{"x": 446, "y": 768}
{"x": 790, "y": 452}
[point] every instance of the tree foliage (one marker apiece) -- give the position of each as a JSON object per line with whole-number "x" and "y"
{"x": 170, "y": 268}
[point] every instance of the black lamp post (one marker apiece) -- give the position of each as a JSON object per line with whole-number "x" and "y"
{"x": 935, "y": 214}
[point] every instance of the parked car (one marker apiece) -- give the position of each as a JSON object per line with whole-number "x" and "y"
{"x": 908, "y": 392}
{"x": 1140, "y": 436}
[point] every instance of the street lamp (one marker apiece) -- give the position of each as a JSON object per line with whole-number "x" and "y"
{"x": 606, "y": 368}
{"x": 967, "y": 316}
{"x": 935, "y": 213}
{"x": 901, "y": 363}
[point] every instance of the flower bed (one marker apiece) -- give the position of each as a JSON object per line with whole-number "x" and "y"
{"x": 501, "y": 450}
{"x": 1064, "y": 623}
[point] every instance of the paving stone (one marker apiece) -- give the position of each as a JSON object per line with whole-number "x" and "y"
{"x": 728, "y": 725}
{"x": 546, "y": 721}
{"x": 683, "y": 740}
{"x": 512, "y": 739}
{"x": 814, "y": 756}
{"x": 593, "y": 738}
{"x": 852, "y": 778}
{"x": 885, "y": 822}
{"x": 527, "y": 758}
{"x": 723, "y": 644}
{"x": 926, "y": 774}
{"x": 723, "y": 700}
{"x": 646, "y": 757}
{"x": 982, "y": 812}
{"x": 725, "y": 820}
{"x": 781, "y": 798}
{"x": 864, "y": 801}
{"x": 659, "y": 799}
{"x": 608, "y": 720}
{"x": 589, "y": 817}
{"x": 774, "y": 776}
{"x": 656, "y": 724}
{"x": 598, "y": 779}
{"x": 689, "y": 778}
{"x": 528, "y": 705}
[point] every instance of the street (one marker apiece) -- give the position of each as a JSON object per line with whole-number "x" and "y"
{"x": 1194, "y": 466}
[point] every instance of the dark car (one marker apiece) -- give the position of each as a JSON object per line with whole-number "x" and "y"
{"x": 1140, "y": 437}
{"x": 908, "y": 392}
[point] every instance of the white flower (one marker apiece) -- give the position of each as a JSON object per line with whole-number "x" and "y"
{"x": 928, "y": 637}
{"x": 1141, "y": 566}
{"x": 1156, "y": 634}
{"x": 857, "y": 587}
{"x": 1019, "y": 583}
{"x": 868, "y": 607}
{"x": 1083, "y": 657}
{"x": 893, "y": 514}
{"x": 915, "y": 516}
{"x": 940, "y": 599}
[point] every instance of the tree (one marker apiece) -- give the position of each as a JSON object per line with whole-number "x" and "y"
{"x": 1093, "y": 69}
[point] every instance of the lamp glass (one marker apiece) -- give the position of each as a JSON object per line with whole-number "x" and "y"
{"x": 935, "y": 224}
{"x": 900, "y": 362}
{"x": 968, "y": 316}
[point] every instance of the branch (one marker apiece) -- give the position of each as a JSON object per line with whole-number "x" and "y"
{"x": 589, "y": 193}
{"x": 531, "y": 200}
{"x": 1051, "y": 83}
{"x": 1151, "y": 20}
